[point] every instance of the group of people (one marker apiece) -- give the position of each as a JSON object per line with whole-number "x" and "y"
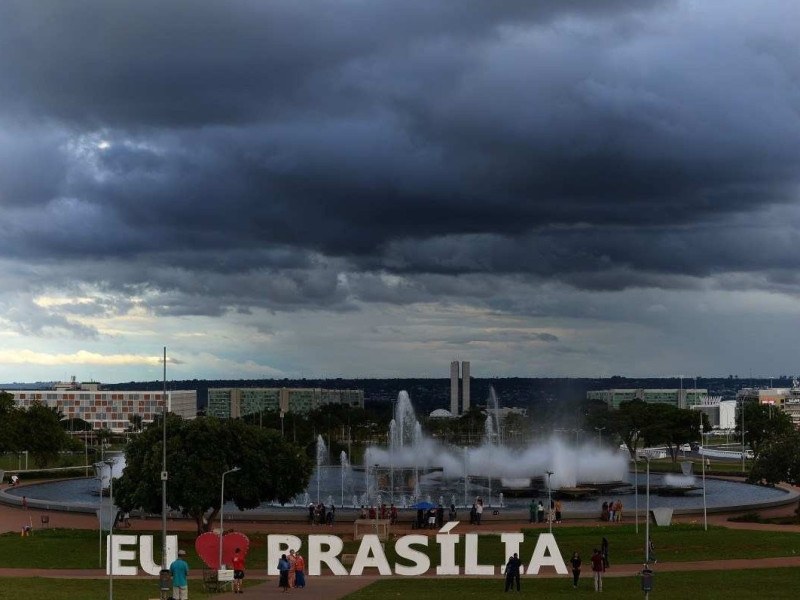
{"x": 476, "y": 512}
{"x": 381, "y": 512}
{"x": 611, "y": 511}
{"x": 536, "y": 512}
{"x": 317, "y": 515}
{"x": 292, "y": 569}
{"x": 599, "y": 562}
{"x": 179, "y": 571}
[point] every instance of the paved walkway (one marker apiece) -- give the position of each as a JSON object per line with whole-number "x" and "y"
{"x": 332, "y": 588}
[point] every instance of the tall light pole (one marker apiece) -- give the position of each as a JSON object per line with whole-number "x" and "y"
{"x": 222, "y": 511}
{"x": 110, "y": 464}
{"x": 549, "y": 501}
{"x": 164, "y": 474}
{"x": 636, "y": 491}
{"x": 742, "y": 424}
{"x": 647, "y": 517}
{"x": 703, "y": 461}
{"x": 599, "y": 435}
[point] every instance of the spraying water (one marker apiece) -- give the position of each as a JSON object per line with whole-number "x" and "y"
{"x": 322, "y": 454}
{"x": 571, "y": 464}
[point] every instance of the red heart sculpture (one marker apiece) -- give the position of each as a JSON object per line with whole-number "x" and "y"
{"x": 207, "y": 547}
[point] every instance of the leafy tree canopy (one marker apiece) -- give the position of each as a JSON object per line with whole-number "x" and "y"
{"x": 198, "y": 452}
{"x": 762, "y": 424}
{"x": 779, "y": 460}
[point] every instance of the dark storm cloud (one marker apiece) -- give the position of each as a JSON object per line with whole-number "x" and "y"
{"x": 213, "y": 156}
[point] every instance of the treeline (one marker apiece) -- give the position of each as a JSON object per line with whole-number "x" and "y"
{"x": 37, "y": 430}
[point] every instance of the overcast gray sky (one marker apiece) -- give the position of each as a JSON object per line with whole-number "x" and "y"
{"x": 374, "y": 188}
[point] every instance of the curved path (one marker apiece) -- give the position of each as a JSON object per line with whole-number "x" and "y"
{"x": 329, "y": 587}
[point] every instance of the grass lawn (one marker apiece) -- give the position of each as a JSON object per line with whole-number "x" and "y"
{"x": 708, "y": 585}
{"x": 72, "y": 589}
{"x": 78, "y": 549}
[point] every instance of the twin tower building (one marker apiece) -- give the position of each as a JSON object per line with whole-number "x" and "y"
{"x": 459, "y": 382}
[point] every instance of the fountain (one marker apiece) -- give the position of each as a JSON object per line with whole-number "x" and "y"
{"x": 415, "y": 464}
{"x": 322, "y": 455}
{"x": 414, "y": 467}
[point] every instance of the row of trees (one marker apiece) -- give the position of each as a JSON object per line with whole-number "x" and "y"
{"x": 36, "y": 430}
{"x": 639, "y": 424}
{"x": 199, "y": 451}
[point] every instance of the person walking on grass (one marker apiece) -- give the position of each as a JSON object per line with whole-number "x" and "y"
{"x": 179, "y": 569}
{"x": 238, "y": 571}
{"x": 512, "y": 572}
{"x": 575, "y": 561}
{"x": 597, "y": 570}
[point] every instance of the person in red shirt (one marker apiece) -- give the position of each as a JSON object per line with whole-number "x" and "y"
{"x": 238, "y": 571}
{"x": 597, "y": 570}
{"x": 300, "y": 571}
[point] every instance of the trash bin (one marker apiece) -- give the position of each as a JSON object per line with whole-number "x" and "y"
{"x": 647, "y": 580}
{"x": 165, "y": 581}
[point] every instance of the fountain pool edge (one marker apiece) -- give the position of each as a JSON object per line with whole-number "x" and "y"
{"x": 299, "y": 514}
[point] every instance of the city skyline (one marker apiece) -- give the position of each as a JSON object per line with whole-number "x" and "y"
{"x": 338, "y": 189}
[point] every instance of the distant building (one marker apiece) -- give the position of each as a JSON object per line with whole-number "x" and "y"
{"x": 108, "y": 409}
{"x": 441, "y": 413}
{"x": 682, "y": 398}
{"x": 786, "y": 399}
{"x": 721, "y": 413}
{"x": 233, "y": 403}
{"x": 459, "y": 384}
{"x": 501, "y": 413}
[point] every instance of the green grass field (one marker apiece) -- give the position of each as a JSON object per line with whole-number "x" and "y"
{"x": 82, "y": 589}
{"x": 755, "y": 584}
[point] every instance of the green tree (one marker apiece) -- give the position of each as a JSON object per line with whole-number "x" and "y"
{"x": 629, "y": 422}
{"x": 779, "y": 460}
{"x": 198, "y": 452}
{"x": 671, "y": 426}
{"x": 762, "y": 424}
{"x": 9, "y": 423}
{"x": 40, "y": 433}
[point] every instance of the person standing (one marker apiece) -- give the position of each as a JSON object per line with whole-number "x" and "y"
{"x": 179, "y": 569}
{"x": 576, "y": 568}
{"x": 597, "y": 570}
{"x": 559, "y": 507}
{"x": 532, "y": 511}
{"x": 283, "y": 569}
{"x": 299, "y": 571}
{"x": 651, "y": 551}
{"x": 238, "y": 571}
{"x": 512, "y": 572}
{"x": 540, "y": 512}
{"x": 292, "y": 562}
{"x": 604, "y": 553}
{"x": 479, "y": 511}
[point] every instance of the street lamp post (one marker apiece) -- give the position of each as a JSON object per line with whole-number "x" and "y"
{"x": 164, "y": 474}
{"x": 742, "y": 424}
{"x": 549, "y": 501}
{"x": 599, "y": 435}
{"x": 703, "y": 461}
{"x": 636, "y": 491}
{"x": 647, "y": 517}
{"x": 110, "y": 464}
{"x": 222, "y": 511}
